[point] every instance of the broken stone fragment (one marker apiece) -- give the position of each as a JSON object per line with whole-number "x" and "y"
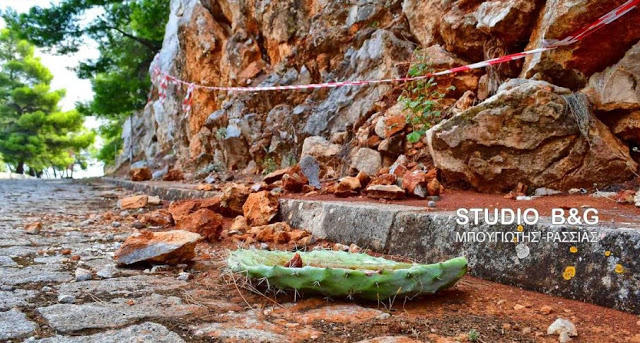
{"x": 310, "y": 168}
{"x": 260, "y": 208}
{"x": 33, "y": 228}
{"x": 181, "y": 209}
{"x": 415, "y": 182}
{"x": 364, "y": 178}
{"x": 204, "y": 222}
{"x": 275, "y": 175}
{"x": 319, "y": 148}
{"x": 158, "y": 218}
{"x": 134, "y": 202}
{"x": 140, "y": 174}
{"x": 205, "y": 187}
{"x": 276, "y": 232}
{"x": 391, "y": 192}
{"x": 367, "y": 160}
{"x": 239, "y": 225}
{"x": 170, "y": 247}
{"x": 294, "y": 180}
{"x": 563, "y": 328}
{"x": 384, "y": 179}
{"x": 347, "y": 186}
{"x": 153, "y": 200}
{"x": 173, "y": 175}
{"x": 233, "y": 197}
{"x": 83, "y": 274}
{"x": 434, "y": 187}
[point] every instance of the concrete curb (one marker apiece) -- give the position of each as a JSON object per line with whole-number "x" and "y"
{"x": 429, "y": 237}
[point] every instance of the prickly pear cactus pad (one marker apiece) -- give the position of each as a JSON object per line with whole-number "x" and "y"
{"x": 337, "y": 273}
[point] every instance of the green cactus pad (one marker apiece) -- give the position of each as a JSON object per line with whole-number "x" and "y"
{"x": 337, "y": 273}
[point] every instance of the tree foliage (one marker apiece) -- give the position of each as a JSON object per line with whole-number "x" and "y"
{"x": 33, "y": 130}
{"x": 128, "y": 33}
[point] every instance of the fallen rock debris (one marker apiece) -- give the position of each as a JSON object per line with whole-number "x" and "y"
{"x": 170, "y": 247}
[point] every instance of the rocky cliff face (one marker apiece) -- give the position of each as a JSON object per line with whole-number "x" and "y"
{"x": 488, "y": 134}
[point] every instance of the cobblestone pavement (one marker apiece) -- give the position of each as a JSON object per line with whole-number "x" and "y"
{"x": 42, "y": 297}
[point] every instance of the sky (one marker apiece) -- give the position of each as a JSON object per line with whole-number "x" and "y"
{"x": 63, "y": 75}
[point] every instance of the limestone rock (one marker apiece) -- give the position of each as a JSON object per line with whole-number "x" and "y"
{"x": 527, "y": 133}
{"x": 367, "y": 160}
{"x": 173, "y": 175}
{"x": 275, "y": 175}
{"x": 625, "y": 125}
{"x": 570, "y": 67}
{"x": 170, "y": 247}
{"x": 563, "y": 328}
{"x": 384, "y": 179}
{"x": 233, "y": 197}
{"x": 294, "y": 179}
{"x": 415, "y": 182}
{"x": 467, "y": 28}
{"x": 134, "y": 202}
{"x": 363, "y": 178}
{"x": 424, "y": 19}
{"x": 204, "y": 222}
{"x": 239, "y": 224}
{"x": 83, "y": 274}
{"x": 393, "y": 145}
{"x": 319, "y": 148}
{"x": 347, "y": 186}
{"x": 310, "y": 167}
{"x": 393, "y": 121}
{"x": 260, "y": 208}
{"x": 141, "y": 174}
{"x": 181, "y": 209}
{"x": 158, "y": 218}
{"x": 616, "y": 88}
{"x": 392, "y": 192}
{"x": 33, "y": 228}
{"x": 616, "y": 93}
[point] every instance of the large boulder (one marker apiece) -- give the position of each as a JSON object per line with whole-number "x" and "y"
{"x": 469, "y": 28}
{"x": 424, "y": 19}
{"x": 615, "y": 93}
{"x": 618, "y": 87}
{"x": 571, "y": 66}
{"x": 528, "y": 133}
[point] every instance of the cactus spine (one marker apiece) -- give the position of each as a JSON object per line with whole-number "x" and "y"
{"x": 337, "y": 273}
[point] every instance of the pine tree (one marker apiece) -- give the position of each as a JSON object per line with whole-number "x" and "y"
{"x": 33, "y": 130}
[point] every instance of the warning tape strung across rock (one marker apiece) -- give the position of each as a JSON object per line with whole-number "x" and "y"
{"x": 163, "y": 79}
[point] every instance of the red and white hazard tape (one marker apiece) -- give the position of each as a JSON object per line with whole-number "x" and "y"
{"x": 547, "y": 45}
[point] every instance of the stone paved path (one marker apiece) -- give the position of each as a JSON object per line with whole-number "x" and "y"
{"x": 41, "y": 301}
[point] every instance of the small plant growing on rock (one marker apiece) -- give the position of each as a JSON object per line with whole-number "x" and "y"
{"x": 473, "y": 335}
{"x": 221, "y": 133}
{"x": 420, "y": 97}
{"x": 269, "y": 165}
